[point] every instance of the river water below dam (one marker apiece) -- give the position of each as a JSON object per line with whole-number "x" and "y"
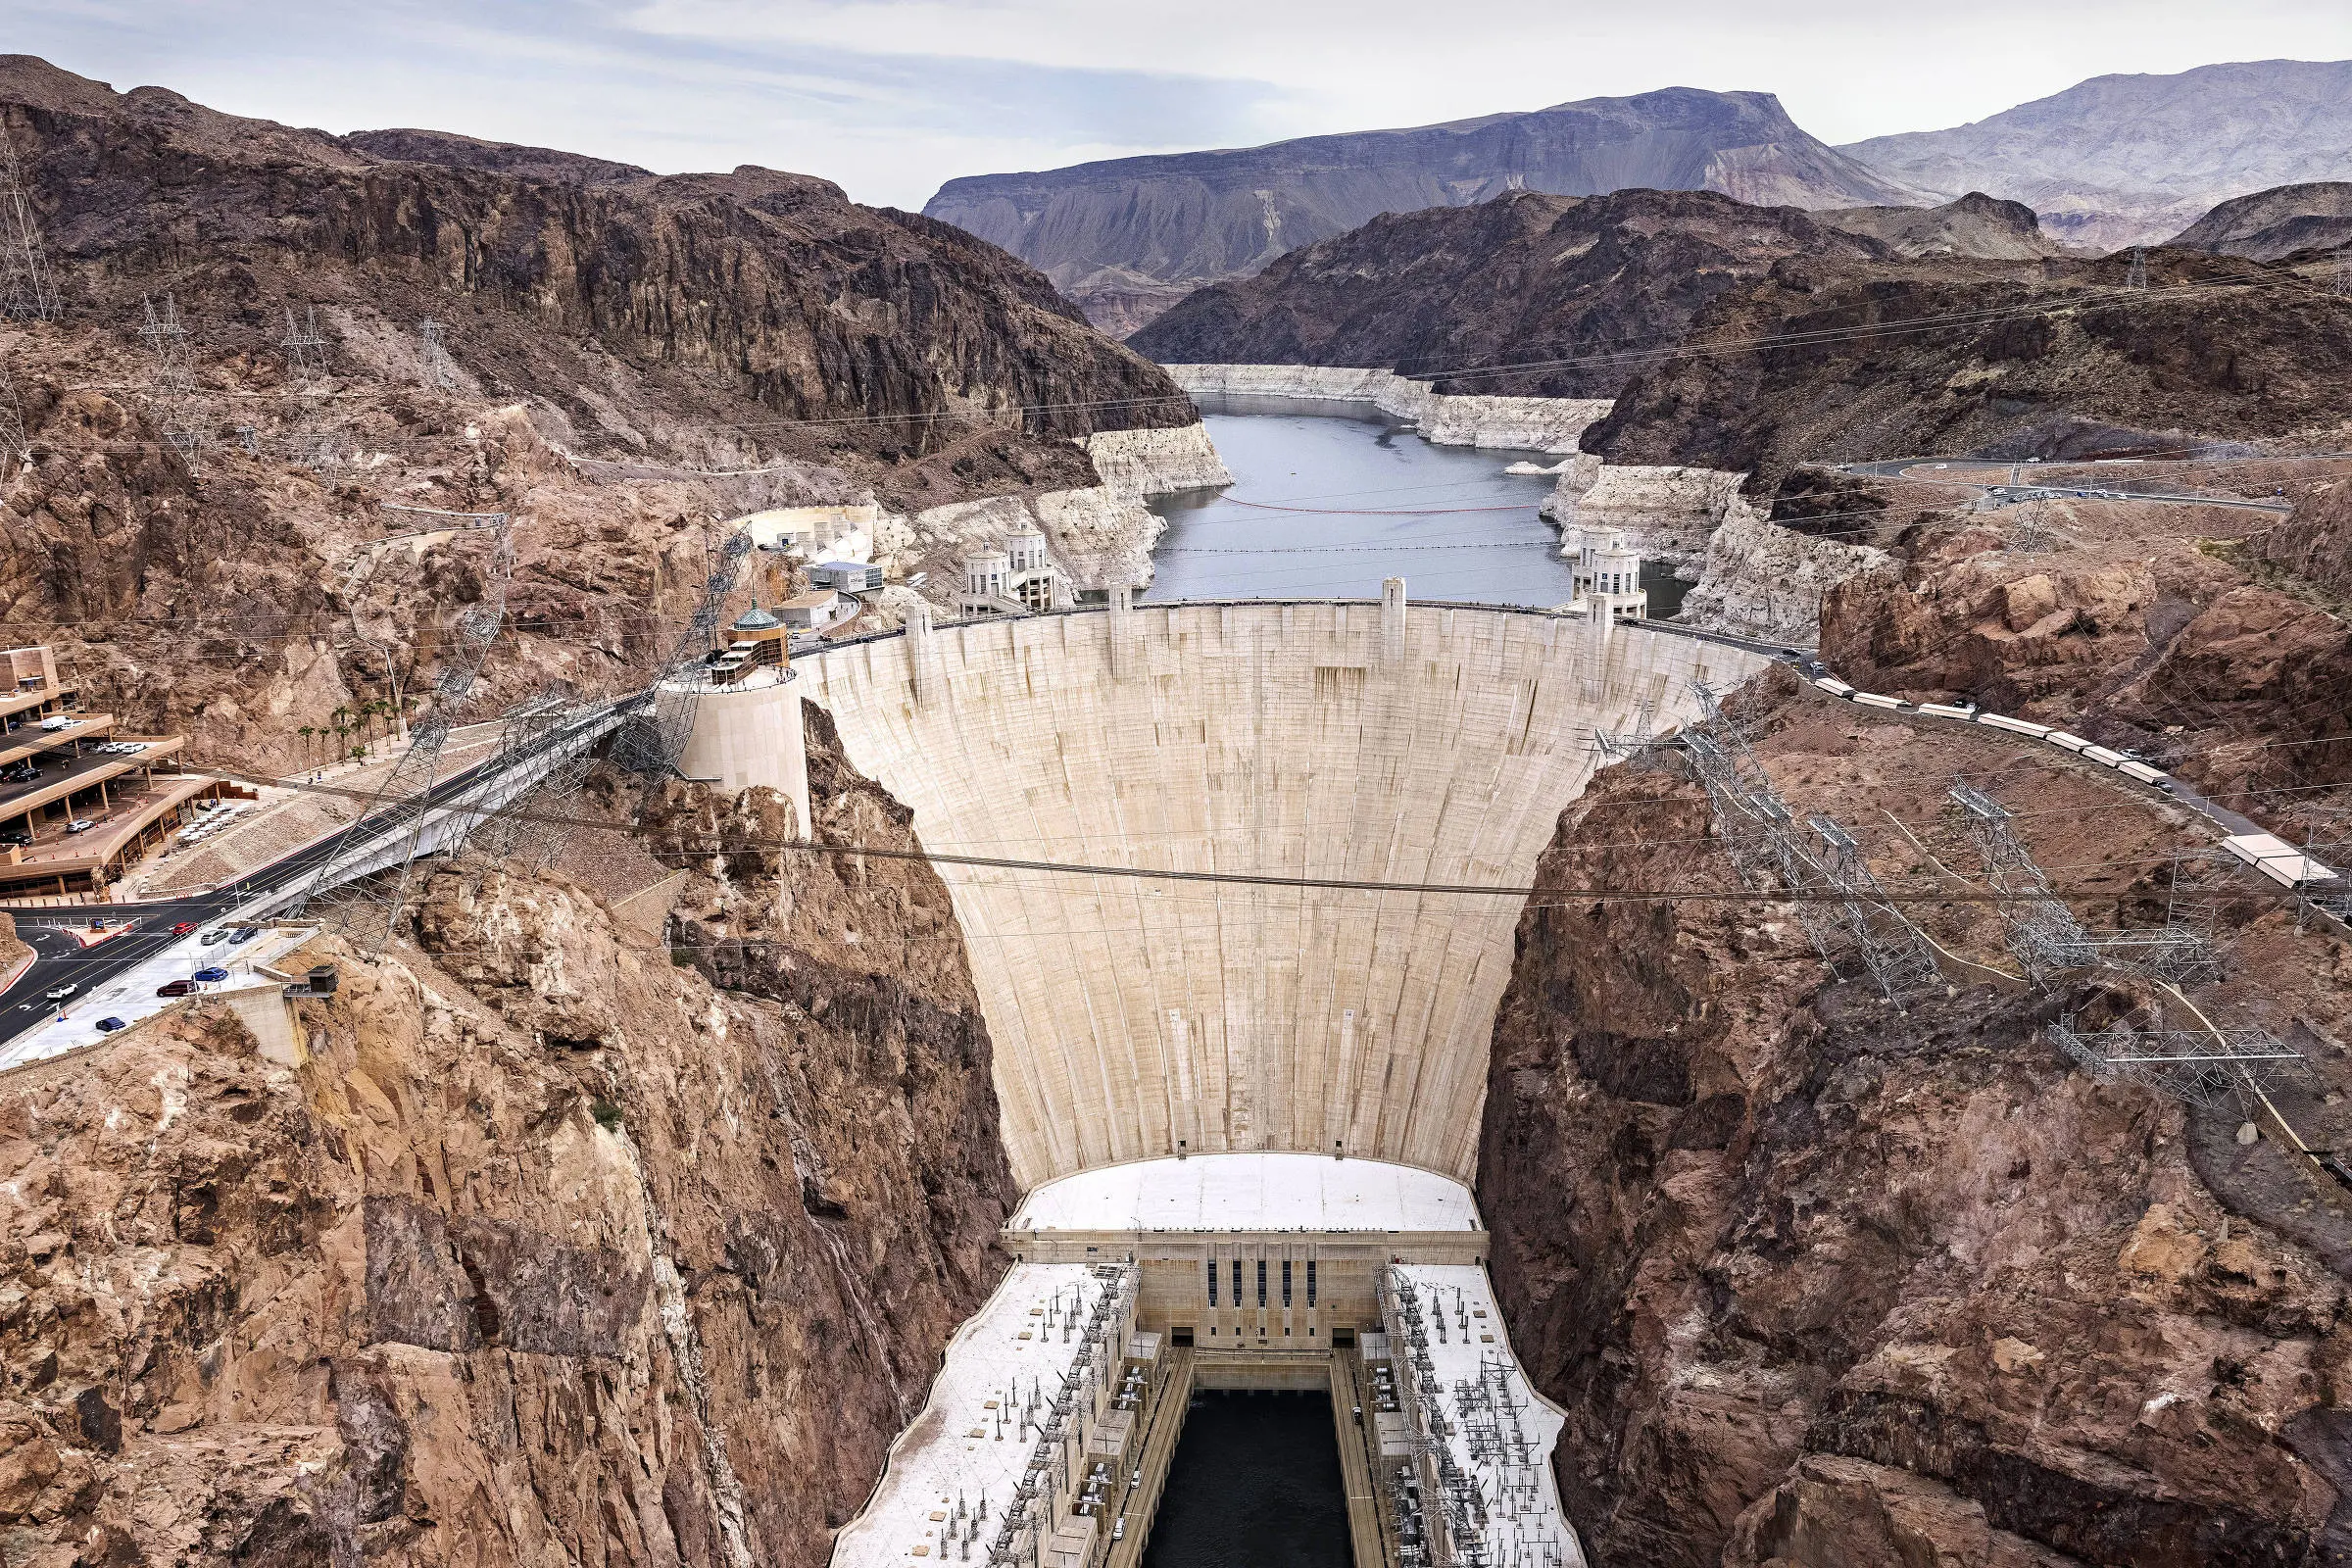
{"x": 1328, "y": 498}
{"x": 1255, "y": 1484}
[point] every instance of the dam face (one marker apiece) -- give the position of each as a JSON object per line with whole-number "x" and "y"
{"x": 1352, "y": 741}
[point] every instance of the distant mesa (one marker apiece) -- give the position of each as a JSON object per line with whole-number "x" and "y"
{"x": 2120, "y": 161}
{"x": 1125, "y": 239}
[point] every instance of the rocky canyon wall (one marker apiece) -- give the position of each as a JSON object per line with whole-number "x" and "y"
{"x": 553, "y": 1242}
{"x": 1820, "y": 1285}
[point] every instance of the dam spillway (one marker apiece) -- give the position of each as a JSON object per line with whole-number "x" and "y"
{"x": 1326, "y": 740}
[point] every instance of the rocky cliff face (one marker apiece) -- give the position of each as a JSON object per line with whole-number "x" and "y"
{"x": 550, "y": 1241}
{"x": 2127, "y": 160}
{"x": 627, "y": 359}
{"x": 1102, "y": 230}
{"x": 1821, "y": 1285}
{"x": 2052, "y": 360}
{"x": 2271, "y": 225}
{"x": 1522, "y": 280}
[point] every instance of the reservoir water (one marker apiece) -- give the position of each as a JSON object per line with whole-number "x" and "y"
{"x": 1324, "y": 504}
{"x": 1330, "y": 498}
{"x": 1255, "y": 1483}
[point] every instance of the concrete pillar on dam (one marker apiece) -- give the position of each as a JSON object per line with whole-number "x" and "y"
{"x": 1392, "y": 622}
{"x": 750, "y": 734}
{"x": 1122, "y": 630}
{"x": 921, "y": 657}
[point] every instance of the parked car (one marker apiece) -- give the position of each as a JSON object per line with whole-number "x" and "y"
{"x": 210, "y": 975}
{"x": 19, "y": 840}
{"x": 107, "y": 1026}
{"x": 61, "y": 993}
{"x": 81, "y": 825}
{"x": 183, "y": 928}
{"x": 216, "y": 934}
{"x": 175, "y": 988}
{"x": 243, "y": 935}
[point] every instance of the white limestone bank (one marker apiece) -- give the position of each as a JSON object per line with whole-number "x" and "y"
{"x": 1102, "y": 535}
{"x": 1671, "y": 511}
{"x": 1540, "y": 424}
{"x": 1763, "y": 580}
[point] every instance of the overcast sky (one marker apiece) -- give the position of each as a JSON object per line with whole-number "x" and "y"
{"x": 890, "y": 97}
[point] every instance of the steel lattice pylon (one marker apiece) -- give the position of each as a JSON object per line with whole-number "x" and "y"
{"x": 314, "y": 444}
{"x": 403, "y": 805}
{"x": 543, "y": 731}
{"x": 2204, "y": 1065}
{"x": 28, "y": 292}
{"x": 2040, "y": 931}
{"x": 1837, "y": 898}
{"x": 654, "y": 738}
{"x": 174, "y": 376}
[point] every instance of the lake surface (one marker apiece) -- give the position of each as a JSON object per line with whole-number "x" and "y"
{"x": 1324, "y": 504}
{"x": 1255, "y": 1483}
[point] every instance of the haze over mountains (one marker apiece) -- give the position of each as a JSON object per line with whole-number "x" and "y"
{"x": 2130, "y": 160}
{"x": 2113, "y": 160}
{"x": 1126, "y": 238}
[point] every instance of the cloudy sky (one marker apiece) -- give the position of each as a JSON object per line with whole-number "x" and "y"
{"x": 890, "y": 97}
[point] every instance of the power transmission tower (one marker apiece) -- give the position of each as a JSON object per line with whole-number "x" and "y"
{"x": 2040, "y": 931}
{"x": 654, "y": 738}
{"x": 306, "y": 363}
{"x": 547, "y": 740}
{"x": 2205, "y": 1066}
{"x": 1837, "y": 898}
{"x": 15, "y": 448}
{"x": 27, "y": 290}
{"x": 403, "y": 806}
{"x": 2343, "y": 274}
{"x": 175, "y": 377}
{"x": 2138, "y": 277}
{"x": 439, "y": 369}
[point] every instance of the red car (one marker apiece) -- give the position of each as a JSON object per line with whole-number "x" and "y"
{"x": 175, "y": 988}
{"x": 183, "y": 928}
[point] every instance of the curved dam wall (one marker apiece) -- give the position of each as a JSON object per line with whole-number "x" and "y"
{"x": 1136, "y": 1018}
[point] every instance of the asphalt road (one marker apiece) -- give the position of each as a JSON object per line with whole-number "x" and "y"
{"x": 2022, "y": 489}
{"x": 59, "y": 960}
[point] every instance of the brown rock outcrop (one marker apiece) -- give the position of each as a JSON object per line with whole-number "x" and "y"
{"x": 628, "y": 358}
{"x": 1824, "y": 1286}
{"x": 2140, "y": 638}
{"x": 546, "y": 1249}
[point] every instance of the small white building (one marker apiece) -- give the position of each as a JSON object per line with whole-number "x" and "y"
{"x": 1607, "y": 572}
{"x": 815, "y": 609}
{"x": 1014, "y": 580}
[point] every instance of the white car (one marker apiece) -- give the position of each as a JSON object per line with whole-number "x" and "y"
{"x": 61, "y": 993}
{"x": 81, "y": 825}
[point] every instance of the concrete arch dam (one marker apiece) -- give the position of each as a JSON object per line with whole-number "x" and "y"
{"x": 1135, "y": 1018}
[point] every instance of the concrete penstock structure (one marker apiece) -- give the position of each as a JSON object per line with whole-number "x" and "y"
{"x": 1355, "y": 741}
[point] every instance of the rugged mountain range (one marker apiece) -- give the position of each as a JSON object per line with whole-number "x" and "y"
{"x": 2047, "y": 360}
{"x": 626, "y": 358}
{"x": 2273, "y": 224}
{"x": 1613, "y": 296}
{"x": 2130, "y": 160}
{"x": 1126, "y": 237}
{"x": 1518, "y": 280}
